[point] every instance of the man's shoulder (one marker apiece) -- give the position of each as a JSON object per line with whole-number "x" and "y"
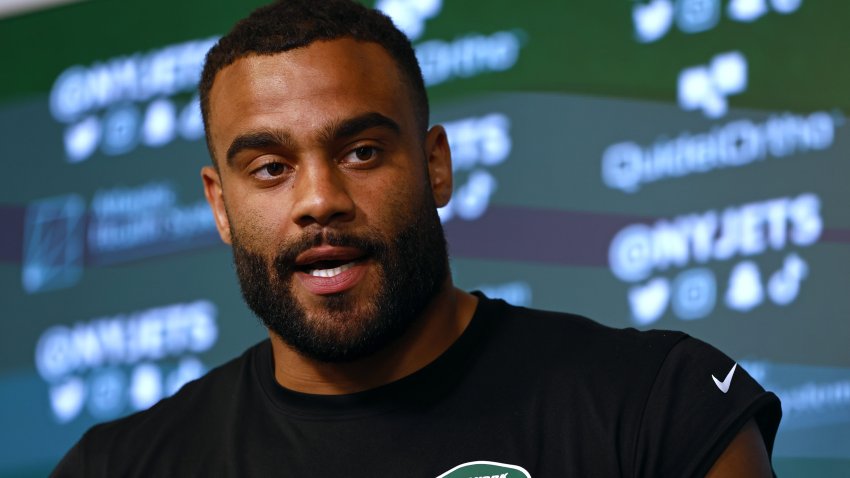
{"x": 195, "y": 403}
{"x": 566, "y": 350}
{"x": 575, "y": 337}
{"x": 648, "y": 381}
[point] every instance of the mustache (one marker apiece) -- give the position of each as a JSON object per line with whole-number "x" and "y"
{"x": 370, "y": 244}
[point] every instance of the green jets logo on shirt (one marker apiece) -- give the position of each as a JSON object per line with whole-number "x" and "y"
{"x": 486, "y": 469}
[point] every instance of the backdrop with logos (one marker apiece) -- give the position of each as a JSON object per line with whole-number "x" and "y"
{"x": 672, "y": 164}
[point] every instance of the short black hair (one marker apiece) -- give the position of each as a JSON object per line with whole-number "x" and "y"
{"x": 289, "y": 24}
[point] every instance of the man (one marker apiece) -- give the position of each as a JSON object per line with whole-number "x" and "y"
{"x": 325, "y": 181}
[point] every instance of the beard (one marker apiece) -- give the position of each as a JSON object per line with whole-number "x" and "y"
{"x": 412, "y": 266}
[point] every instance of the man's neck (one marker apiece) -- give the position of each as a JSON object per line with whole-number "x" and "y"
{"x": 440, "y": 324}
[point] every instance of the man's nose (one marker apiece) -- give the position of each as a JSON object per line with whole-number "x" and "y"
{"x": 321, "y": 195}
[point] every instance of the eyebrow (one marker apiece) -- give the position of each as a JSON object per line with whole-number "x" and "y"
{"x": 276, "y": 138}
{"x": 357, "y": 124}
{"x": 264, "y": 139}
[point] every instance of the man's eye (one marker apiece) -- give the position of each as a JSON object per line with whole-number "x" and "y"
{"x": 365, "y": 153}
{"x": 274, "y": 169}
{"x": 271, "y": 170}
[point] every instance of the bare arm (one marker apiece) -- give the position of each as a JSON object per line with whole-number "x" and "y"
{"x": 745, "y": 457}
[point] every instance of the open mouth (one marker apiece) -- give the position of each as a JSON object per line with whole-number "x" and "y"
{"x": 328, "y": 261}
{"x": 327, "y": 268}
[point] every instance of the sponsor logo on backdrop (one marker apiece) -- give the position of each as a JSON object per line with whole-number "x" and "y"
{"x": 113, "y": 365}
{"x": 653, "y": 19}
{"x": 141, "y": 99}
{"x": 628, "y": 166}
{"x": 478, "y": 144}
{"x": 53, "y": 243}
{"x": 466, "y": 56}
{"x": 121, "y": 224}
{"x": 645, "y": 255}
{"x": 145, "y": 220}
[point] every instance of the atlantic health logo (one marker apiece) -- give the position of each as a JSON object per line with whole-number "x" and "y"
{"x": 54, "y": 243}
{"x": 63, "y": 235}
{"x": 706, "y": 87}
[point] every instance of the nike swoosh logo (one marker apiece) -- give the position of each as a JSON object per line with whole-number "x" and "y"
{"x": 724, "y": 385}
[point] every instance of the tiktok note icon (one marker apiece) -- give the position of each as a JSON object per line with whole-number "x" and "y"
{"x": 784, "y": 284}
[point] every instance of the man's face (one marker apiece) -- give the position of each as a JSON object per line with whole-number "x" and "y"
{"x": 327, "y": 191}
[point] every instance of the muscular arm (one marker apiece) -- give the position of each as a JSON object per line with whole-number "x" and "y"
{"x": 745, "y": 457}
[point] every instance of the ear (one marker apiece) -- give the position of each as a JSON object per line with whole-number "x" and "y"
{"x": 439, "y": 158}
{"x": 215, "y": 197}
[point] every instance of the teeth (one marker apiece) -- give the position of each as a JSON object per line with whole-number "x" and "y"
{"x": 331, "y": 272}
